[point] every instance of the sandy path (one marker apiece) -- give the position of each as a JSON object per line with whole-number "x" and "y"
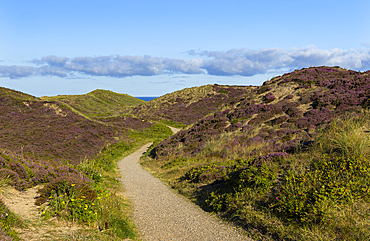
{"x": 160, "y": 214}
{"x": 22, "y": 203}
{"x": 174, "y": 130}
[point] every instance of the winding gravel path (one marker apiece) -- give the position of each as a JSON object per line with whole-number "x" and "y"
{"x": 160, "y": 214}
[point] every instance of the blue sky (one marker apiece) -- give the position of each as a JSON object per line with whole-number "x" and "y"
{"x": 150, "y": 48}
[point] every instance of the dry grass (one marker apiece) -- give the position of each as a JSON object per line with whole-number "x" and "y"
{"x": 349, "y": 136}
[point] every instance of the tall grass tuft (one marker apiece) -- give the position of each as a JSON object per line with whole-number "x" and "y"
{"x": 113, "y": 217}
{"x": 348, "y": 136}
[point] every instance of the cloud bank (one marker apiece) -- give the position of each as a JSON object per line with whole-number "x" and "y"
{"x": 220, "y": 63}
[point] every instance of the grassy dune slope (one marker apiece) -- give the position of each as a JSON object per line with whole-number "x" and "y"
{"x": 186, "y": 106}
{"x": 288, "y": 161}
{"x": 17, "y": 95}
{"x": 98, "y": 103}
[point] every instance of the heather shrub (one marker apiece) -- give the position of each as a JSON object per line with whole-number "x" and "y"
{"x": 190, "y": 105}
{"x": 3, "y": 162}
{"x": 18, "y": 183}
{"x": 62, "y": 184}
{"x": 52, "y": 131}
{"x": 278, "y": 120}
{"x": 233, "y": 127}
{"x": 269, "y": 97}
{"x": 288, "y": 97}
{"x": 263, "y": 89}
{"x": 20, "y": 169}
{"x": 40, "y": 173}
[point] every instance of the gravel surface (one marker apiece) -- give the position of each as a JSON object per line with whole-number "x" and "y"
{"x": 161, "y": 214}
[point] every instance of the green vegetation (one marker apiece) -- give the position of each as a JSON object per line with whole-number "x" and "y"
{"x": 98, "y": 103}
{"x": 187, "y": 106}
{"x": 97, "y": 203}
{"x": 79, "y": 188}
{"x": 8, "y": 222}
{"x": 348, "y": 137}
{"x": 285, "y": 161}
{"x": 317, "y": 193}
{"x": 16, "y": 95}
{"x": 289, "y": 161}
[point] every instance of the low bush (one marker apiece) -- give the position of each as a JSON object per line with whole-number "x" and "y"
{"x": 71, "y": 201}
{"x": 8, "y": 221}
{"x": 309, "y": 196}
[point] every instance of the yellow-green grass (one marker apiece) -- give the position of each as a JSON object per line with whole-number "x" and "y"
{"x": 98, "y": 103}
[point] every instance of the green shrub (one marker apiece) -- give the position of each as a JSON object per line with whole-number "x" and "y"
{"x": 309, "y": 196}
{"x": 71, "y": 204}
{"x": 256, "y": 179}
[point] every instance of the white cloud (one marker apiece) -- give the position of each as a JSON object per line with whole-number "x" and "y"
{"x": 220, "y": 63}
{"x": 16, "y": 72}
{"x": 248, "y": 62}
{"x": 345, "y": 58}
{"x": 51, "y": 60}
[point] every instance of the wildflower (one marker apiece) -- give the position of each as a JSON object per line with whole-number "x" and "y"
{"x": 72, "y": 185}
{"x": 72, "y": 199}
{"x": 98, "y": 197}
{"x": 277, "y": 198}
{"x": 92, "y": 203}
{"x": 63, "y": 202}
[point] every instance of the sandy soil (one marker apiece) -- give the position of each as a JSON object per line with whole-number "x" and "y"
{"x": 23, "y": 204}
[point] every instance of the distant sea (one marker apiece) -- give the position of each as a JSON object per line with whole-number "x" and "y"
{"x": 147, "y": 98}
